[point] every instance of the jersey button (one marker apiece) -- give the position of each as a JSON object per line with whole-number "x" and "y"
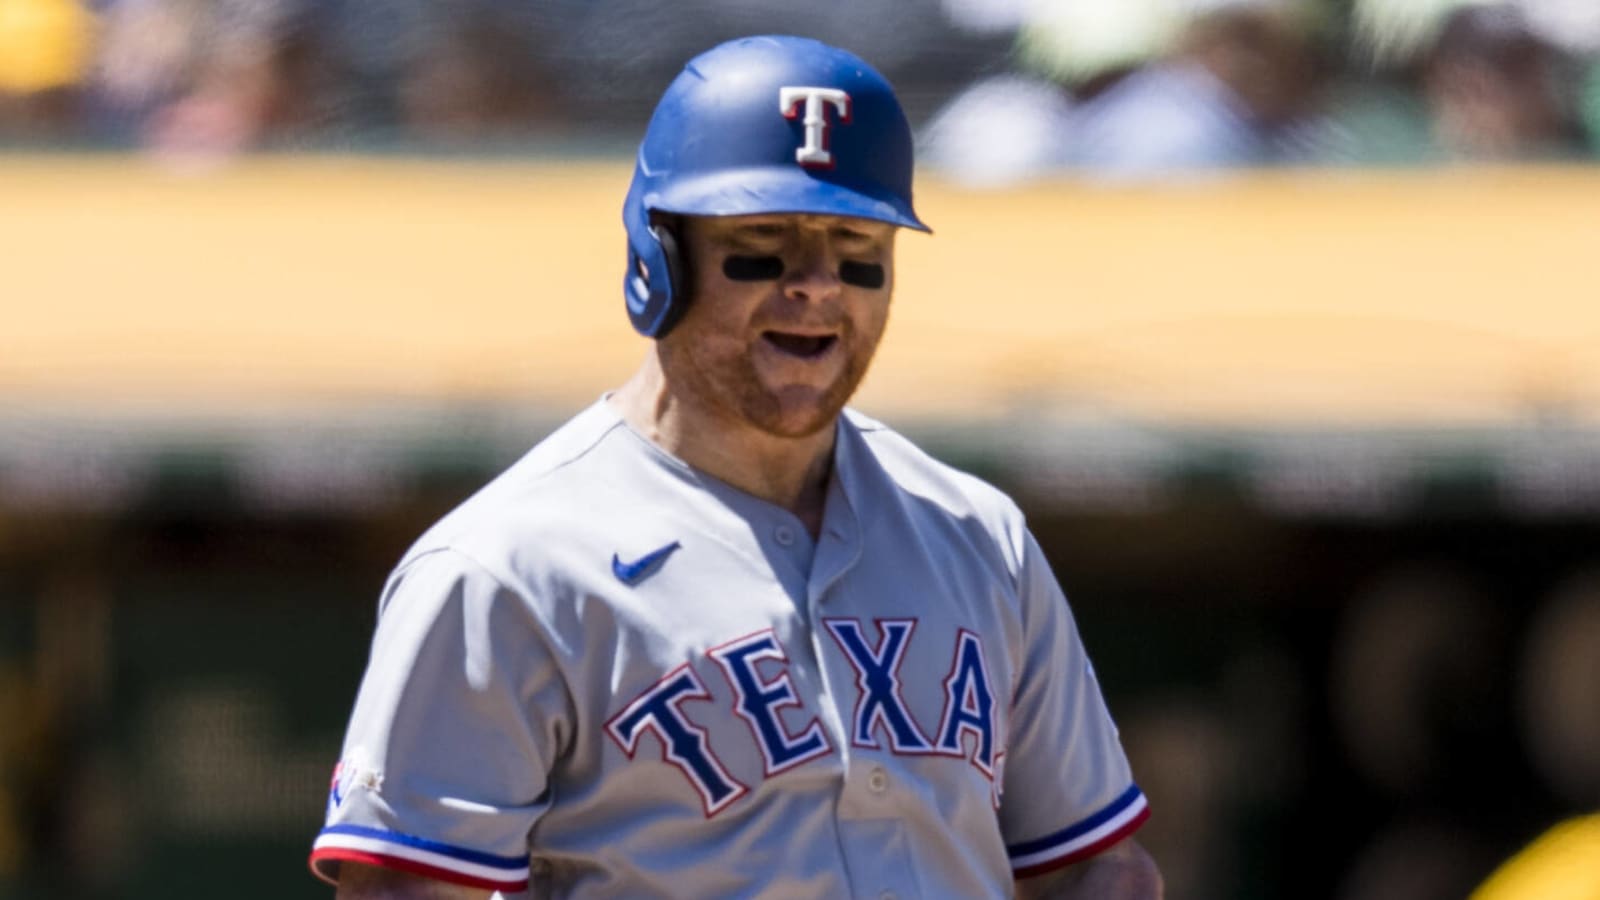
{"x": 878, "y": 781}
{"x": 886, "y": 895}
{"x": 784, "y": 534}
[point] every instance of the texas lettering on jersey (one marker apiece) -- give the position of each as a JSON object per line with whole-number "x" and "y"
{"x": 880, "y": 712}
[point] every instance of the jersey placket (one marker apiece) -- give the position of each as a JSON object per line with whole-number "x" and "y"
{"x": 871, "y": 832}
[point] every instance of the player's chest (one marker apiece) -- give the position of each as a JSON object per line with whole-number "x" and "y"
{"x": 739, "y": 674}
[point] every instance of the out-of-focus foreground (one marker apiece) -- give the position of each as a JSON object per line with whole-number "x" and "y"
{"x": 1278, "y": 319}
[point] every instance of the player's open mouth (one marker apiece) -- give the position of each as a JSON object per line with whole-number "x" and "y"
{"x": 805, "y": 346}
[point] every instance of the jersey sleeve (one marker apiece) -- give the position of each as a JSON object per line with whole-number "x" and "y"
{"x": 456, "y": 723}
{"x": 1067, "y": 790}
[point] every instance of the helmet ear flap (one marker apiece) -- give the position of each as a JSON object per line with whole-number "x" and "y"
{"x": 677, "y": 272}
{"x": 653, "y": 283}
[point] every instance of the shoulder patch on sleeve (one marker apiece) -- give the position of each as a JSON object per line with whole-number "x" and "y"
{"x": 353, "y": 773}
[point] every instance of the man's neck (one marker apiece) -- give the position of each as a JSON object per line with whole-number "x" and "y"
{"x": 788, "y": 472}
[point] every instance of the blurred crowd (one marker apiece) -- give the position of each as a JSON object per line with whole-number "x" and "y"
{"x": 227, "y": 75}
{"x": 1001, "y": 89}
{"x": 1241, "y": 83}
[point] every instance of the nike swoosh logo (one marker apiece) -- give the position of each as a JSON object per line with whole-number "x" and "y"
{"x": 631, "y": 573}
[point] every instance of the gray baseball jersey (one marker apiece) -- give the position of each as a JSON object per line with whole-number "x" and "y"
{"x": 610, "y": 675}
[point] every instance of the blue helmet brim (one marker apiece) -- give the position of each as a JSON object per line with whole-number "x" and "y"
{"x": 778, "y": 189}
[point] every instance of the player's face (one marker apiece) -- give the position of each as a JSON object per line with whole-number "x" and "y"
{"x": 784, "y": 315}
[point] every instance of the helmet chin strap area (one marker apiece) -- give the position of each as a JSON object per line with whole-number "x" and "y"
{"x": 770, "y": 268}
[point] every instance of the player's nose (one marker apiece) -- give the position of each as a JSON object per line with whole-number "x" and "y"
{"x": 814, "y": 272}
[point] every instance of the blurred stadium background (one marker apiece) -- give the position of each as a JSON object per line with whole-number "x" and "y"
{"x": 1278, "y": 318}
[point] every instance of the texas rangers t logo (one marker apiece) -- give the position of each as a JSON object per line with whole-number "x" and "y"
{"x": 814, "y": 152}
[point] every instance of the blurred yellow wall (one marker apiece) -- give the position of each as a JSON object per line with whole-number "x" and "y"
{"x": 44, "y": 44}
{"x": 1450, "y": 295}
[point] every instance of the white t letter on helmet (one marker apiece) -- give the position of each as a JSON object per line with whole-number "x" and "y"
{"x": 815, "y": 150}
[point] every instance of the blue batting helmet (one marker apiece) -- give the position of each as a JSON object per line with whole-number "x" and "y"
{"x": 761, "y": 125}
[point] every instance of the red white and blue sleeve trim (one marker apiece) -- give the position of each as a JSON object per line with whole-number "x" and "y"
{"x": 419, "y": 856}
{"x": 1120, "y": 818}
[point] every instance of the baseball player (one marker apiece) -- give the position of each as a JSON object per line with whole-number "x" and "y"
{"x": 718, "y": 636}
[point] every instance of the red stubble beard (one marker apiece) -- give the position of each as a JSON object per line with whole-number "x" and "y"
{"x": 724, "y": 376}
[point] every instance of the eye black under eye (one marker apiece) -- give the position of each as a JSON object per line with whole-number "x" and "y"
{"x": 752, "y": 268}
{"x": 738, "y": 267}
{"x": 860, "y": 274}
